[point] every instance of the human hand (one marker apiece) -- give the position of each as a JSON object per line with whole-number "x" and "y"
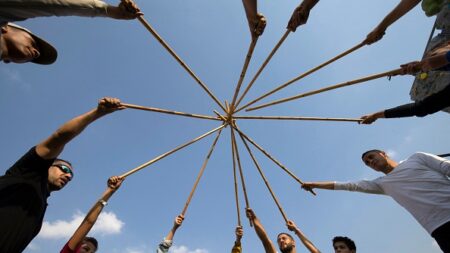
{"x": 370, "y": 118}
{"x": 115, "y": 182}
{"x": 308, "y": 186}
{"x": 375, "y": 35}
{"x": 257, "y": 25}
{"x": 291, "y": 226}
{"x": 127, "y": 9}
{"x": 108, "y": 105}
{"x": 239, "y": 232}
{"x": 250, "y": 214}
{"x": 412, "y": 68}
{"x": 178, "y": 221}
{"x": 298, "y": 18}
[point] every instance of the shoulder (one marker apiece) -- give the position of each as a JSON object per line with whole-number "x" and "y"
{"x": 30, "y": 162}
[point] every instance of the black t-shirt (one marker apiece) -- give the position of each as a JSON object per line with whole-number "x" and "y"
{"x": 23, "y": 201}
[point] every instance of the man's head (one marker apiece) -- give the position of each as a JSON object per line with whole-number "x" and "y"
{"x": 19, "y": 45}
{"x": 59, "y": 174}
{"x": 342, "y": 244}
{"x": 89, "y": 245}
{"x": 286, "y": 242}
{"x": 378, "y": 160}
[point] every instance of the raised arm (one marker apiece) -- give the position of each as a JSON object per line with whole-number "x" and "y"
{"x": 91, "y": 217}
{"x": 237, "y": 248}
{"x": 54, "y": 145}
{"x": 401, "y": 9}
{"x": 164, "y": 246}
{"x": 329, "y": 185}
{"x": 256, "y": 21}
{"x": 301, "y": 14}
{"x": 267, "y": 243}
{"x": 21, "y": 10}
{"x": 308, "y": 244}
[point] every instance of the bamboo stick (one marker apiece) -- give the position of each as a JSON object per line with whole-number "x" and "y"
{"x": 303, "y": 75}
{"x": 269, "y": 57}
{"x": 244, "y": 70}
{"x": 332, "y": 87}
{"x": 201, "y": 172}
{"x": 271, "y": 158}
{"x": 178, "y": 59}
{"x": 265, "y": 180}
{"x": 170, "y": 152}
{"x": 236, "y": 195}
{"x": 296, "y": 118}
{"x": 153, "y": 109}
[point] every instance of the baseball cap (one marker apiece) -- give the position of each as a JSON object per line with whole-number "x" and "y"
{"x": 47, "y": 53}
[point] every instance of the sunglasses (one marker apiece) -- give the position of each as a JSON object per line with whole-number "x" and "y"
{"x": 65, "y": 169}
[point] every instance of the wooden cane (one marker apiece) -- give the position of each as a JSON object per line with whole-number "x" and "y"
{"x": 236, "y": 195}
{"x": 153, "y": 109}
{"x": 266, "y": 61}
{"x": 303, "y": 75}
{"x": 238, "y": 159}
{"x": 178, "y": 59}
{"x": 248, "y": 57}
{"x": 272, "y": 158}
{"x": 332, "y": 87}
{"x": 170, "y": 152}
{"x": 264, "y": 179}
{"x": 188, "y": 201}
{"x": 297, "y": 118}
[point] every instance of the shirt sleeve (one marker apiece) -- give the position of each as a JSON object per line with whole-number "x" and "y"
{"x": 29, "y": 165}
{"x": 164, "y": 246}
{"x": 435, "y": 162}
{"x": 236, "y": 248}
{"x": 366, "y": 186}
{"x": 429, "y": 105}
{"x": 18, "y": 10}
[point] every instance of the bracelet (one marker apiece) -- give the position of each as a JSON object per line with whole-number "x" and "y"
{"x": 102, "y": 202}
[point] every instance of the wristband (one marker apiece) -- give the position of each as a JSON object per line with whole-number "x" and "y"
{"x": 103, "y": 203}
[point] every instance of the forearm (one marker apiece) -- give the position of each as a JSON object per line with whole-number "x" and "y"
{"x": 309, "y": 4}
{"x": 308, "y": 244}
{"x": 171, "y": 233}
{"x": 329, "y": 185}
{"x": 267, "y": 243}
{"x": 250, "y": 7}
{"x": 20, "y": 10}
{"x": 401, "y": 9}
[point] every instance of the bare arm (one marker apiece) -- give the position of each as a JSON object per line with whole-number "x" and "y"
{"x": 176, "y": 224}
{"x": 54, "y": 145}
{"x": 401, "y": 9}
{"x": 256, "y": 21}
{"x": 301, "y": 14}
{"x": 329, "y": 185}
{"x": 261, "y": 232}
{"x": 91, "y": 217}
{"x": 308, "y": 244}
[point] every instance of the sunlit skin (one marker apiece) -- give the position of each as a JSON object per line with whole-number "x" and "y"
{"x": 286, "y": 244}
{"x": 379, "y": 161}
{"x": 17, "y": 46}
{"x": 87, "y": 247}
{"x": 341, "y": 247}
{"x": 57, "y": 178}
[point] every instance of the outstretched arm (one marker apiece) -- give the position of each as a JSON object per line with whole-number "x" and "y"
{"x": 401, "y": 9}
{"x": 256, "y": 21}
{"x": 308, "y": 244}
{"x": 301, "y": 14}
{"x": 176, "y": 224}
{"x": 237, "y": 248}
{"x": 329, "y": 185}
{"x": 267, "y": 243}
{"x": 54, "y": 145}
{"x": 91, "y": 217}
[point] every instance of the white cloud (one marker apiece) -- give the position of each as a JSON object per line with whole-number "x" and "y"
{"x": 184, "y": 249}
{"x": 14, "y": 78}
{"x": 107, "y": 223}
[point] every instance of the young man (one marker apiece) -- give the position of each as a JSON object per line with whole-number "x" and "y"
{"x": 79, "y": 243}
{"x": 420, "y": 184}
{"x": 286, "y": 242}
{"x": 25, "y": 187}
{"x": 343, "y": 244}
{"x": 19, "y": 45}
{"x": 237, "y": 248}
{"x": 166, "y": 243}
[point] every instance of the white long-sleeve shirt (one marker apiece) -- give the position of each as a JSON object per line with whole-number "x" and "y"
{"x": 420, "y": 184}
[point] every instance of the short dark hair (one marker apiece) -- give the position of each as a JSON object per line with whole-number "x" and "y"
{"x": 290, "y": 236}
{"x": 372, "y": 150}
{"x": 91, "y": 240}
{"x": 347, "y": 241}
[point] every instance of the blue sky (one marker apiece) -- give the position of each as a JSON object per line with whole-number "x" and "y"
{"x": 101, "y": 57}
